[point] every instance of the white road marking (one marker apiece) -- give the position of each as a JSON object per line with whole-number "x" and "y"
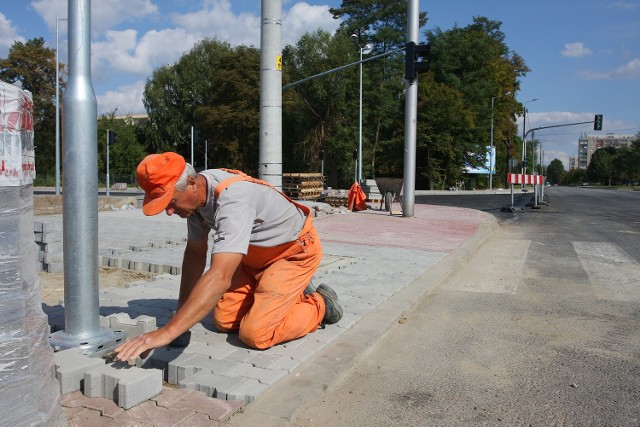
{"x": 496, "y": 270}
{"x": 614, "y": 274}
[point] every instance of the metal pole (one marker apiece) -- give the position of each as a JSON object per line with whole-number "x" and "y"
{"x": 360, "y": 126}
{"x": 491, "y": 149}
{"x": 108, "y": 162}
{"x": 80, "y": 204}
{"x": 270, "y": 154}
{"x": 206, "y": 154}
{"x": 191, "y": 145}
{"x": 524, "y": 135}
{"x": 58, "y": 104}
{"x": 410, "y": 120}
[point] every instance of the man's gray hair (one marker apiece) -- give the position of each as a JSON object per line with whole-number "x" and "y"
{"x": 181, "y": 183}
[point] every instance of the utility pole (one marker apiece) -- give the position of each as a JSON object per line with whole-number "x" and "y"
{"x": 410, "y": 119}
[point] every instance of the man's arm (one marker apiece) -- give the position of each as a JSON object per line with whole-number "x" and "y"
{"x": 193, "y": 263}
{"x": 203, "y": 297}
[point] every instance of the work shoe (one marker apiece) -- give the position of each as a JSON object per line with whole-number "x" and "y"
{"x": 332, "y": 310}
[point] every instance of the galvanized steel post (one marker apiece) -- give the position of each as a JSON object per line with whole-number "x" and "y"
{"x": 270, "y": 155}
{"x": 410, "y": 120}
{"x": 80, "y": 206}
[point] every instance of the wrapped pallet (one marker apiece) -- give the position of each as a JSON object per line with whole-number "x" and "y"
{"x": 29, "y": 391}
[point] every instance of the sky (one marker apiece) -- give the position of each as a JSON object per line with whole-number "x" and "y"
{"x": 584, "y": 55}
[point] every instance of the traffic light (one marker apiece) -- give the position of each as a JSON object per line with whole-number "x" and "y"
{"x": 597, "y": 122}
{"x": 196, "y": 136}
{"x": 355, "y": 154}
{"x": 321, "y": 154}
{"x": 413, "y": 67}
{"x": 113, "y": 138}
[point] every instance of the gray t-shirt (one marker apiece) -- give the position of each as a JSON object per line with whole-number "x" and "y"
{"x": 245, "y": 213}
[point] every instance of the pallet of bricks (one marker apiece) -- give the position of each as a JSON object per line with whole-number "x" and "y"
{"x": 302, "y": 186}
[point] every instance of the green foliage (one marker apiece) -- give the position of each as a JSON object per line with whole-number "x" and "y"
{"x": 125, "y": 153}
{"x": 214, "y": 88}
{"x": 574, "y": 177}
{"x": 600, "y": 167}
{"x": 34, "y": 66}
{"x": 475, "y": 64}
{"x": 555, "y": 171}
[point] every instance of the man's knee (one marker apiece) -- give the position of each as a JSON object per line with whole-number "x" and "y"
{"x": 224, "y": 324}
{"x": 256, "y": 337}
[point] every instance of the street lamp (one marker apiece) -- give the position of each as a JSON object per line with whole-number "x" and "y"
{"x": 58, "y": 107}
{"x": 355, "y": 37}
{"x": 524, "y": 125}
{"x": 493, "y": 98}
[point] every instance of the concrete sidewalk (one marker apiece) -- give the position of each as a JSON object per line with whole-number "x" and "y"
{"x": 379, "y": 265}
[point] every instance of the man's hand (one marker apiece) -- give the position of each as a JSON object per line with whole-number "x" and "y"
{"x": 142, "y": 345}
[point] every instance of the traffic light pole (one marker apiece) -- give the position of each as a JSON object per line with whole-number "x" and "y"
{"x": 556, "y": 126}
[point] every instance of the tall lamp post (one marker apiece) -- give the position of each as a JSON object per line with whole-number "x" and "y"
{"x": 491, "y": 161}
{"x": 355, "y": 37}
{"x": 58, "y": 105}
{"x": 524, "y": 125}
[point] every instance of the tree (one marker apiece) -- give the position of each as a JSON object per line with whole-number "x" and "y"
{"x": 475, "y": 62}
{"x": 574, "y": 177}
{"x": 555, "y": 171}
{"x": 215, "y": 89}
{"x": 321, "y": 114}
{"x": 600, "y": 168}
{"x": 124, "y": 154}
{"x": 34, "y": 66}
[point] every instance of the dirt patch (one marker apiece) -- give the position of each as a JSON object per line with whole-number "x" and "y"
{"x": 52, "y": 205}
{"x": 52, "y": 284}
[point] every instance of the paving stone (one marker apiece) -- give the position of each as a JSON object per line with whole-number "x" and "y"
{"x": 71, "y": 366}
{"x": 247, "y": 391}
{"x": 198, "y": 420}
{"x": 183, "y": 368}
{"x": 105, "y": 407}
{"x": 210, "y": 384}
{"x": 215, "y": 409}
{"x": 157, "y": 415}
{"x": 126, "y": 385}
{"x": 131, "y": 327}
{"x": 253, "y": 357}
{"x": 264, "y": 376}
{"x": 284, "y": 363}
{"x": 172, "y": 395}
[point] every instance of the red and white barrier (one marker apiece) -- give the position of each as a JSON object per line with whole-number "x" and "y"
{"x": 519, "y": 178}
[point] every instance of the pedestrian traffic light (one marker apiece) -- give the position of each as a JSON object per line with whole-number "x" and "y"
{"x": 196, "y": 136}
{"x": 597, "y": 122}
{"x": 355, "y": 154}
{"x": 321, "y": 154}
{"x": 112, "y": 137}
{"x": 413, "y": 67}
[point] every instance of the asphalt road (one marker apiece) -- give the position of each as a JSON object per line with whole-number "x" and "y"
{"x": 539, "y": 327}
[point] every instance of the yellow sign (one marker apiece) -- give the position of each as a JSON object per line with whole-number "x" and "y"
{"x": 279, "y": 62}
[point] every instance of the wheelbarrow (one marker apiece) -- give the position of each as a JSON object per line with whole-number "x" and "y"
{"x": 389, "y": 188}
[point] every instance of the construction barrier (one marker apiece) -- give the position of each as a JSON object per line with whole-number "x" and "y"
{"x": 519, "y": 178}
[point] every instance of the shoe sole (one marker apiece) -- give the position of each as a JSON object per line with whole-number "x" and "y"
{"x": 331, "y": 295}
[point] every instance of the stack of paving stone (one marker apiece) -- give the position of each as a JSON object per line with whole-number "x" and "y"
{"x": 335, "y": 198}
{"x": 48, "y": 237}
{"x": 302, "y": 186}
{"x": 370, "y": 188}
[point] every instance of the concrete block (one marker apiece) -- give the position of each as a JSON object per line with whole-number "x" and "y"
{"x": 71, "y": 366}
{"x": 247, "y": 391}
{"x": 264, "y": 376}
{"x": 160, "y": 359}
{"x": 187, "y": 366}
{"x": 132, "y": 327}
{"x": 126, "y": 385}
{"x": 211, "y": 384}
{"x": 55, "y": 267}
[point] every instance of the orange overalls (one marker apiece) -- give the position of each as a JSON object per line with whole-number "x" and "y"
{"x": 266, "y": 300}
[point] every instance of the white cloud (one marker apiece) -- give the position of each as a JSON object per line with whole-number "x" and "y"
{"x": 628, "y": 71}
{"x": 8, "y": 35}
{"x": 217, "y": 20}
{"x": 575, "y": 50}
{"x": 302, "y": 18}
{"x": 125, "y": 53}
{"x": 104, "y": 14}
{"x": 126, "y": 100}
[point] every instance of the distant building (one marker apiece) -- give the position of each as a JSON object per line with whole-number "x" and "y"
{"x": 573, "y": 161}
{"x": 588, "y": 144}
{"x": 131, "y": 119}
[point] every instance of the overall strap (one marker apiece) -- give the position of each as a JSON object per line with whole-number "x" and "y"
{"x": 241, "y": 176}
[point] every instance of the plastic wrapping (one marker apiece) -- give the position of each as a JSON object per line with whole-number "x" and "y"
{"x": 29, "y": 391}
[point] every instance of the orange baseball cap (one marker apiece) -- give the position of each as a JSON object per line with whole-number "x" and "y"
{"x": 157, "y": 175}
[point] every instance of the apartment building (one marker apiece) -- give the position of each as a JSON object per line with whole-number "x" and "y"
{"x": 588, "y": 144}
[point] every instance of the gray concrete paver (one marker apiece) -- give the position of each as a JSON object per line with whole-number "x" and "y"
{"x": 364, "y": 276}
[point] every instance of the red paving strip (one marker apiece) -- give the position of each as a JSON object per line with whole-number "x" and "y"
{"x": 433, "y": 228}
{"x": 172, "y": 408}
